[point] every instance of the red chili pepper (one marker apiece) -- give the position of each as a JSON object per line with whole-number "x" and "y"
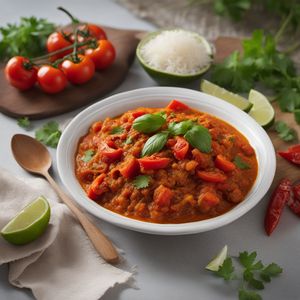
{"x": 292, "y": 154}
{"x": 294, "y": 203}
{"x": 279, "y": 198}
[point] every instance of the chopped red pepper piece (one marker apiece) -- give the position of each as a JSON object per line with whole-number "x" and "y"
{"x": 294, "y": 203}
{"x": 97, "y": 126}
{"x": 95, "y": 190}
{"x": 149, "y": 163}
{"x": 207, "y": 200}
{"x": 177, "y": 105}
{"x": 279, "y": 198}
{"x": 293, "y": 157}
{"x": 109, "y": 154}
{"x": 162, "y": 196}
{"x": 224, "y": 164}
{"x": 137, "y": 114}
{"x": 211, "y": 176}
{"x": 181, "y": 148}
{"x": 130, "y": 168}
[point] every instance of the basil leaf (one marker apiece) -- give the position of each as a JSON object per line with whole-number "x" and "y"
{"x": 155, "y": 143}
{"x": 181, "y": 127}
{"x": 199, "y": 137}
{"x": 240, "y": 163}
{"x": 117, "y": 130}
{"x": 148, "y": 123}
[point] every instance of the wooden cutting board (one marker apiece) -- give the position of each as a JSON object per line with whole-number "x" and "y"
{"x": 224, "y": 47}
{"x": 36, "y": 104}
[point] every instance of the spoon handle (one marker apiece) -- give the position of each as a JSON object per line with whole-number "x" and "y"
{"x": 101, "y": 243}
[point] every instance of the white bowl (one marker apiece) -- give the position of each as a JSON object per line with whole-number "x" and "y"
{"x": 159, "y": 97}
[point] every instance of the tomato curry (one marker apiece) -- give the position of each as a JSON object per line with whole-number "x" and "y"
{"x": 166, "y": 165}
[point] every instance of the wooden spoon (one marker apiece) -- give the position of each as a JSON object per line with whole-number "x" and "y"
{"x": 34, "y": 157}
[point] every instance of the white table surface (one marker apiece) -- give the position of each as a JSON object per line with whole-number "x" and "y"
{"x": 167, "y": 267}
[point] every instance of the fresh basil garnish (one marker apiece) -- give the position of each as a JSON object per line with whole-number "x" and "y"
{"x": 148, "y": 123}
{"x": 199, "y": 137}
{"x": 181, "y": 127}
{"x": 240, "y": 163}
{"x": 155, "y": 143}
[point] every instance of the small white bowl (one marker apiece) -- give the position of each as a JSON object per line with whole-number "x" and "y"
{"x": 159, "y": 97}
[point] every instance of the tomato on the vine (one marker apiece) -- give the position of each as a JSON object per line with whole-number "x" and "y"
{"x": 79, "y": 72}
{"x": 57, "y": 41}
{"x": 20, "y": 73}
{"x": 95, "y": 31}
{"x": 51, "y": 80}
{"x": 103, "y": 56}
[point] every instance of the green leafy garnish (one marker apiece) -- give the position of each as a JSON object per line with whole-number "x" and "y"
{"x": 199, "y": 137}
{"x": 180, "y": 128}
{"x": 155, "y": 143}
{"x": 148, "y": 123}
{"x": 24, "y": 122}
{"x": 129, "y": 140}
{"x": 286, "y": 133}
{"x": 297, "y": 115}
{"x": 117, "y": 130}
{"x": 141, "y": 181}
{"x": 240, "y": 163}
{"x": 252, "y": 275}
{"x": 49, "y": 134}
{"x": 28, "y": 38}
{"x": 88, "y": 154}
{"x": 233, "y": 9}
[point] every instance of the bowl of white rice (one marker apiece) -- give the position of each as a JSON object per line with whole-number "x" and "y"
{"x": 174, "y": 56}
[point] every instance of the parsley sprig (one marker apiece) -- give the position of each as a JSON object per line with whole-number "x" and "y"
{"x": 49, "y": 134}
{"x": 253, "y": 274}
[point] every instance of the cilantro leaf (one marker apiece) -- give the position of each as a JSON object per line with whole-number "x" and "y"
{"x": 49, "y": 134}
{"x": 117, "y": 130}
{"x": 269, "y": 271}
{"x": 141, "y": 181}
{"x": 248, "y": 295}
{"x": 233, "y": 9}
{"x": 240, "y": 163}
{"x": 226, "y": 269}
{"x": 88, "y": 154}
{"x": 286, "y": 133}
{"x": 24, "y": 122}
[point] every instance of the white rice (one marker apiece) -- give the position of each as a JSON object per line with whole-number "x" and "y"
{"x": 177, "y": 52}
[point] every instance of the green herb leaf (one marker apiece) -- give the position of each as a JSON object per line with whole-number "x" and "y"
{"x": 180, "y": 128}
{"x": 24, "y": 122}
{"x": 253, "y": 282}
{"x": 286, "y": 133}
{"x": 28, "y": 38}
{"x": 49, "y": 134}
{"x": 129, "y": 140}
{"x": 269, "y": 271}
{"x": 226, "y": 270}
{"x": 88, "y": 154}
{"x": 248, "y": 295}
{"x": 148, "y": 123}
{"x": 155, "y": 143}
{"x": 297, "y": 115}
{"x": 233, "y": 9}
{"x": 240, "y": 163}
{"x": 117, "y": 130}
{"x": 199, "y": 137}
{"x": 141, "y": 181}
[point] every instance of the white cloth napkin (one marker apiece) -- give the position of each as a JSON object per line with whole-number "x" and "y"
{"x": 62, "y": 264}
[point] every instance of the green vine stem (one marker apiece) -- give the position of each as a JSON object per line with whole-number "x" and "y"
{"x": 283, "y": 27}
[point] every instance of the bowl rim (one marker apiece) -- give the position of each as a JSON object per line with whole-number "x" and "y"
{"x": 263, "y": 181}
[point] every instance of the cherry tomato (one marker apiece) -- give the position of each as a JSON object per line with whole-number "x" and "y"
{"x": 79, "y": 72}
{"x": 57, "y": 41}
{"x": 95, "y": 31}
{"x": 181, "y": 148}
{"x": 20, "y": 74}
{"x": 153, "y": 163}
{"x": 51, "y": 80}
{"x": 177, "y": 106}
{"x": 103, "y": 56}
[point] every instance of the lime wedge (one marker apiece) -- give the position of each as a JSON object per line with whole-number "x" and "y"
{"x": 29, "y": 223}
{"x": 217, "y": 262}
{"x": 262, "y": 111}
{"x": 217, "y": 91}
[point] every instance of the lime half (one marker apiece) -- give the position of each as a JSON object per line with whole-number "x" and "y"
{"x": 218, "y": 261}
{"x": 262, "y": 111}
{"x": 29, "y": 223}
{"x": 174, "y": 56}
{"x": 217, "y": 91}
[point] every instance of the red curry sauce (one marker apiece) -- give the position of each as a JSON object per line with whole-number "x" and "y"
{"x": 179, "y": 183}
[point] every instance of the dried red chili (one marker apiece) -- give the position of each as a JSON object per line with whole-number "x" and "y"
{"x": 279, "y": 198}
{"x": 292, "y": 154}
{"x": 294, "y": 203}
